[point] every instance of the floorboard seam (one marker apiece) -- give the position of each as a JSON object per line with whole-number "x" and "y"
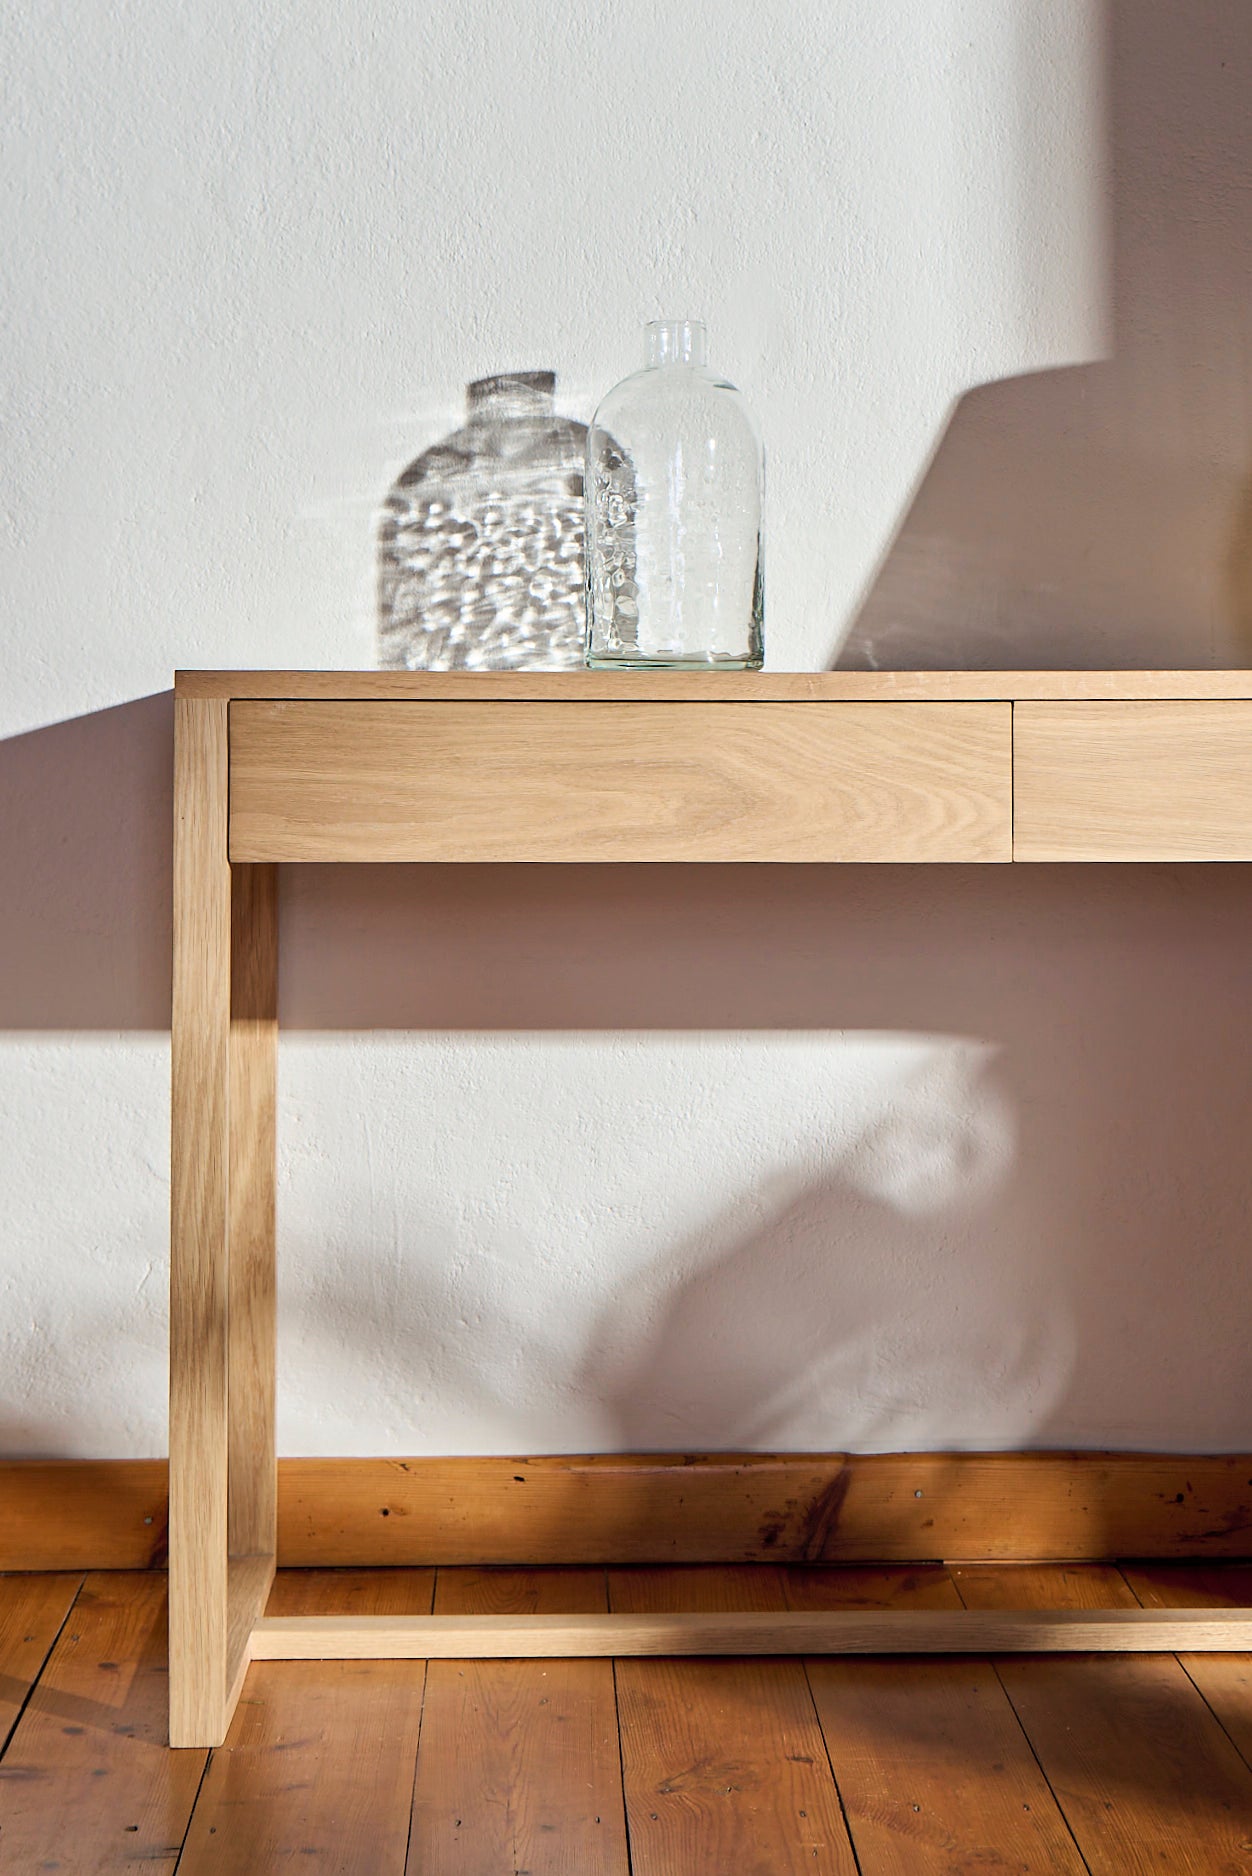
{"x": 834, "y": 1776}
{"x": 1012, "y": 1706}
{"x": 204, "y": 1773}
{"x": 47, "y": 1656}
{"x": 421, "y": 1716}
{"x": 621, "y": 1749}
{"x": 1060, "y": 1808}
{"x": 1191, "y": 1677}
{"x": 817, "y": 1719}
{"x": 1240, "y": 1753}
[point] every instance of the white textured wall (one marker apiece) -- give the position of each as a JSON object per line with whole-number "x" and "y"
{"x": 655, "y": 1158}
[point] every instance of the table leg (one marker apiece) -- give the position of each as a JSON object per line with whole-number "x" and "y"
{"x": 222, "y": 1279}
{"x": 199, "y": 1227}
{"x": 251, "y": 1485}
{"x": 251, "y": 1480}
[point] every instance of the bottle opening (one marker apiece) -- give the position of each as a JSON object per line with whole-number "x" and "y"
{"x": 677, "y": 342}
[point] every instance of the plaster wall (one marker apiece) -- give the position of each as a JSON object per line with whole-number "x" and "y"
{"x": 573, "y": 1159}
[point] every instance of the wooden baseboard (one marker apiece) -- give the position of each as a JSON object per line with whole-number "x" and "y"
{"x": 719, "y": 1508}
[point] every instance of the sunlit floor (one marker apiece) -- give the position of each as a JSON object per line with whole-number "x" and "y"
{"x": 889, "y": 1767}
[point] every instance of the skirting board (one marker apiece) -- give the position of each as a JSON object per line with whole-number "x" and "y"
{"x": 717, "y": 1508}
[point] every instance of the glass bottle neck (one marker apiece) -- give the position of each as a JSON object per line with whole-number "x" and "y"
{"x": 677, "y": 342}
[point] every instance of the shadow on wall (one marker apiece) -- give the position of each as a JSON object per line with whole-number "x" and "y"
{"x": 1085, "y": 517}
{"x": 1102, "y": 515}
{"x": 970, "y": 1249}
{"x": 480, "y": 562}
{"x": 85, "y": 861}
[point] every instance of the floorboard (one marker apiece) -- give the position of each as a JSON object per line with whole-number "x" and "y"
{"x": 934, "y": 1770}
{"x": 1145, "y": 1775}
{"x": 519, "y": 1768}
{"x": 1225, "y": 1680}
{"x": 1113, "y": 1764}
{"x": 317, "y": 1770}
{"x": 88, "y": 1783}
{"x": 33, "y": 1609}
{"x": 723, "y": 1761}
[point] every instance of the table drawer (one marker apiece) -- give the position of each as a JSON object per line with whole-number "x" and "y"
{"x": 620, "y": 781}
{"x": 1132, "y": 781}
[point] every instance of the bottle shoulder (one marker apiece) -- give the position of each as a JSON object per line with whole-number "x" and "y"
{"x": 675, "y": 395}
{"x": 512, "y": 450}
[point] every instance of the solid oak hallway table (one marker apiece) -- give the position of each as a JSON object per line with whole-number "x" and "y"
{"x": 274, "y": 766}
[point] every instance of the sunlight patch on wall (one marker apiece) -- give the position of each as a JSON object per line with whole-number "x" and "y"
{"x": 654, "y": 1241}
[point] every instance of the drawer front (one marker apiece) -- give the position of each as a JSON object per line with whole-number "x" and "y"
{"x": 620, "y": 781}
{"x": 1132, "y": 781}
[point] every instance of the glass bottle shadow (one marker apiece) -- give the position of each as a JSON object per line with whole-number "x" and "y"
{"x": 481, "y": 539}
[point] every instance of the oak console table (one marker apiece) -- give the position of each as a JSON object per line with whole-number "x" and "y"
{"x": 274, "y": 766}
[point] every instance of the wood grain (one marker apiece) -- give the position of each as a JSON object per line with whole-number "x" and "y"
{"x": 251, "y": 1481}
{"x": 933, "y": 1769}
{"x": 1132, "y": 781}
{"x": 712, "y": 687}
{"x": 722, "y": 1761}
{"x": 519, "y": 1765}
{"x": 83, "y": 1514}
{"x": 762, "y": 1507}
{"x": 842, "y": 1631}
{"x": 620, "y": 782}
{"x": 1146, "y": 1777}
{"x": 249, "y": 1580}
{"x": 32, "y": 1610}
{"x": 1225, "y": 1680}
{"x": 199, "y": 1227}
{"x": 317, "y": 1769}
{"x": 632, "y": 1508}
{"x": 88, "y": 1783}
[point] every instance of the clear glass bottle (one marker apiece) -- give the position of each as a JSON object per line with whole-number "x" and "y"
{"x": 675, "y": 476}
{"x": 481, "y": 540}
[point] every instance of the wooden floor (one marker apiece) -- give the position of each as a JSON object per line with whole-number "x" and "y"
{"x": 900, "y": 1767}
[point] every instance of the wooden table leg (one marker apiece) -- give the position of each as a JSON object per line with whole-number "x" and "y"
{"x": 222, "y": 1202}
{"x": 252, "y": 1484}
{"x": 252, "y": 1477}
{"x": 199, "y": 1226}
